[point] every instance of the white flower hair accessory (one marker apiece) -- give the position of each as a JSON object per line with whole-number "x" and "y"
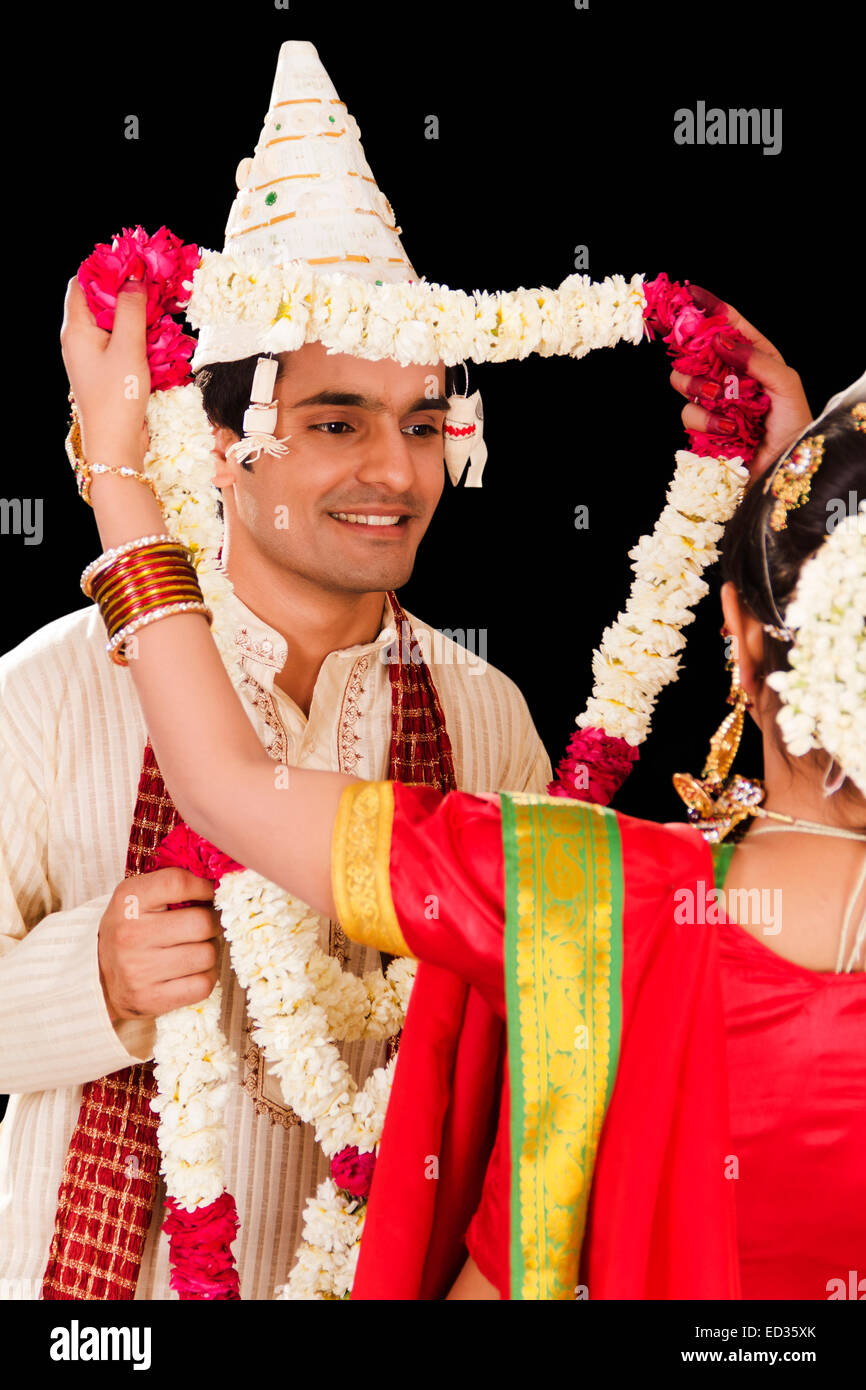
{"x": 824, "y": 692}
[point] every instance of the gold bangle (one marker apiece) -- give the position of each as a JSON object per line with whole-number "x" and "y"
{"x": 74, "y": 451}
{"x": 158, "y": 542}
{"x": 115, "y": 646}
{"x": 83, "y": 470}
{"x": 144, "y": 579}
{"x": 122, "y": 609}
{"x": 128, "y": 606}
{"x": 144, "y": 569}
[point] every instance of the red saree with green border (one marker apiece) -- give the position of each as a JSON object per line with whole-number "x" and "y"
{"x": 560, "y": 1098}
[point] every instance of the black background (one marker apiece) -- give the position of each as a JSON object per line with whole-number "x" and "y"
{"x": 555, "y": 130}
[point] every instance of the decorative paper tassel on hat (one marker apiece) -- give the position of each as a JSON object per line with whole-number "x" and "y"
{"x": 464, "y": 438}
{"x": 260, "y": 416}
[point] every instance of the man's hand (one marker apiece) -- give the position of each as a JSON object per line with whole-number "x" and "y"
{"x": 109, "y": 374}
{"x": 789, "y": 411}
{"x": 152, "y": 960}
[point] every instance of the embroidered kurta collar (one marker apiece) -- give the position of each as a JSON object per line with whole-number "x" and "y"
{"x": 264, "y": 649}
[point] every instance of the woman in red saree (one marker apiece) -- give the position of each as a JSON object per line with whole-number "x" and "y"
{"x": 656, "y": 1067}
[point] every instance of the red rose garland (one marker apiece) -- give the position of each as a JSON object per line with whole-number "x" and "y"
{"x": 200, "y": 1255}
{"x": 688, "y": 331}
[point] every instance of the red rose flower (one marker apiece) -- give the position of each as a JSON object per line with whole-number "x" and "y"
{"x": 168, "y": 353}
{"x": 689, "y": 333}
{"x": 664, "y": 300}
{"x": 600, "y": 760}
{"x": 169, "y": 264}
{"x": 202, "y": 1263}
{"x": 182, "y": 846}
{"x": 353, "y": 1171}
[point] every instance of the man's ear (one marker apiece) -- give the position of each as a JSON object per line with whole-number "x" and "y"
{"x": 223, "y": 439}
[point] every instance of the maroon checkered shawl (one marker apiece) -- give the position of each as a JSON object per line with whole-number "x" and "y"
{"x": 108, "y": 1188}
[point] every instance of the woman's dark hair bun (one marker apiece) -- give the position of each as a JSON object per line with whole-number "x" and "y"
{"x": 838, "y": 486}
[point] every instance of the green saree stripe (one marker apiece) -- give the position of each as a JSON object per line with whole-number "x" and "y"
{"x": 563, "y": 952}
{"x": 721, "y": 862}
{"x": 515, "y": 1073}
{"x": 609, "y": 825}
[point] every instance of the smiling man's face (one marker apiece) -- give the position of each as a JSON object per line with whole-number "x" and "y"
{"x": 348, "y": 505}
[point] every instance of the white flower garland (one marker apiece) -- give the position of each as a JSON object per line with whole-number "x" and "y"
{"x": 637, "y": 657}
{"x": 193, "y": 1066}
{"x": 824, "y": 692}
{"x": 259, "y": 307}
{"x": 299, "y": 999}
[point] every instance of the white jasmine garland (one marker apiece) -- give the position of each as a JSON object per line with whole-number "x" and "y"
{"x": 179, "y": 462}
{"x": 281, "y": 307}
{"x": 824, "y": 691}
{"x": 193, "y": 1067}
{"x": 300, "y": 1001}
{"x": 638, "y": 655}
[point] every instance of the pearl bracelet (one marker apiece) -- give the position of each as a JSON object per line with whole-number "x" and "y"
{"x": 115, "y": 646}
{"x": 116, "y": 551}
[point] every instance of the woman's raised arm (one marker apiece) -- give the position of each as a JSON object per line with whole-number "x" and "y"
{"x": 276, "y": 821}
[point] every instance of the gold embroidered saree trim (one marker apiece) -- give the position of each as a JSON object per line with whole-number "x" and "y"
{"x": 563, "y": 954}
{"x": 361, "y": 864}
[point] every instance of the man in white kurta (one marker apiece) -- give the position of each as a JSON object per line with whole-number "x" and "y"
{"x": 71, "y": 744}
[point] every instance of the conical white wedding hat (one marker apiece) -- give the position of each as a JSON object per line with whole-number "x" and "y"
{"x": 308, "y": 192}
{"x": 313, "y": 254}
{"x": 307, "y": 196}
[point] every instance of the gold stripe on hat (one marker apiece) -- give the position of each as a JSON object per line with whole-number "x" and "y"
{"x": 367, "y": 212}
{"x": 299, "y": 101}
{"x": 283, "y": 178}
{"x": 308, "y": 135}
{"x": 258, "y": 225}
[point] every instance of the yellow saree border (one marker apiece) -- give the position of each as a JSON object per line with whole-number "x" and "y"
{"x": 563, "y": 960}
{"x": 361, "y": 867}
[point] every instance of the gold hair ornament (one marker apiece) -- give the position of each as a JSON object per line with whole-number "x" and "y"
{"x": 792, "y": 480}
{"x": 790, "y": 483}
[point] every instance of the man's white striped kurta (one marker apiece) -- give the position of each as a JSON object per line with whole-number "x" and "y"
{"x": 71, "y": 744}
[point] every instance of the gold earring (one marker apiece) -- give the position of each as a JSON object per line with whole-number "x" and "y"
{"x": 716, "y": 802}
